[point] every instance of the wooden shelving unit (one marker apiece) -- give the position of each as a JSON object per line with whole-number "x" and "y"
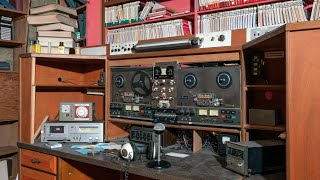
{"x": 50, "y": 79}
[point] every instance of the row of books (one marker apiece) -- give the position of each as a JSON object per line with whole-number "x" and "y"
{"x": 315, "y": 13}
{"x": 5, "y": 28}
{"x": 178, "y": 27}
{"x": 133, "y": 12}
{"x": 281, "y": 13}
{"x": 264, "y": 15}
{"x": 214, "y": 4}
{"x": 122, "y": 14}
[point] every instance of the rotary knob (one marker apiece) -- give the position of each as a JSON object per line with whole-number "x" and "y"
{"x": 82, "y": 112}
{"x": 221, "y": 37}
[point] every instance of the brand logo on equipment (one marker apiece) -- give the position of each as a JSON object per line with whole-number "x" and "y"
{"x": 81, "y": 112}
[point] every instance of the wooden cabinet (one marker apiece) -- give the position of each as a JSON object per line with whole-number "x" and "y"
{"x": 39, "y": 161}
{"x": 30, "y": 174}
{"x": 296, "y": 93}
{"x": 9, "y": 80}
{"x": 50, "y": 79}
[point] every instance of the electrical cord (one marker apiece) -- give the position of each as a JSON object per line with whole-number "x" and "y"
{"x": 71, "y": 81}
{"x": 126, "y": 170}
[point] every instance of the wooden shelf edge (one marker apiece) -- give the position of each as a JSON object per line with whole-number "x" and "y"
{"x": 10, "y": 43}
{"x": 8, "y": 120}
{"x": 266, "y": 128}
{"x": 200, "y": 128}
{"x": 191, "y": 14}
{"x": 193, "y": 51}
{"x": 69, "y": 86}
{"x": 237, "y": 6}
{"x": 81, "y": 8}
{"x": 62, "y": 56}
{"x": 116, "y": 2}
{"x": 6, "y": 150}
{"x": 11, "y": 13}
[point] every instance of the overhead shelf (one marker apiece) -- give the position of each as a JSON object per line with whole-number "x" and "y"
{"x": 266, "y": 128}
{"x": 10, "y": 43}
{"x": 200, "y": 128}
{"x": 11, "y": 13}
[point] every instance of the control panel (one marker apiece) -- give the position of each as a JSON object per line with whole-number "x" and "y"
{"x": 76, "y": 111}
{"x": 215, "y": 39}
{"x": 131, "y": 111}
{"x": 164, "y": 91}
{"x": 122, "y": 48}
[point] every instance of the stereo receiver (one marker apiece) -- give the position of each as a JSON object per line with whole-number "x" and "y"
{"x": 72, "y": 131}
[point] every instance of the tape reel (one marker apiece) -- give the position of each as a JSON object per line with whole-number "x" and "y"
{"x": 141, "y": 83}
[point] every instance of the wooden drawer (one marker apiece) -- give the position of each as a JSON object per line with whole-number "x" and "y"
{"x": 30, "y": 174}
{"x": 39, "y": 161}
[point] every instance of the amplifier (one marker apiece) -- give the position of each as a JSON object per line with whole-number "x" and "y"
{"x": 147, "y": 134}
{"x": 254, "y": 157}
{"x": 72, "y": 131}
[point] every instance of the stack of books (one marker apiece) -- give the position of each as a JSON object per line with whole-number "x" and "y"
{"x": 55, "y": 24}
{"x": 159, "y": 11}
{"x": 5, "y": 28}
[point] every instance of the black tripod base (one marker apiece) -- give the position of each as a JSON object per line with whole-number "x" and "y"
{"x": 158, "y": 164}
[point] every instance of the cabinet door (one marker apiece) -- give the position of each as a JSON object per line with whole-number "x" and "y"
{"x": 30, "y": 174}
{"x": 39, "y": 161}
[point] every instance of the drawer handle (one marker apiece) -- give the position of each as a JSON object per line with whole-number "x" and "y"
{"x": 35, "y": 161}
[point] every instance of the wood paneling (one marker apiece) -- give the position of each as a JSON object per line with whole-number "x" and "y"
{"x": 25, "y": 99}
{"x": 232, "y": 56}
{"x": 9, "y": 96}
{"x": 303, "y": 87}
{"x": 76, "y": 170}
{"x": 30, "y": 174}
{"x": 39, "y": 161}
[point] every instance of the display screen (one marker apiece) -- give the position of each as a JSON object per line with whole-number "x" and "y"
{"x": 135, "y": 108}
{"x": 88, "y": 129}
{"x": 214, "y": 112}
{"x": 56, "y": 129}
{"x": 163, "y": 71}
{"x": 203, "y": 112}
{"x": 128, "y": 108}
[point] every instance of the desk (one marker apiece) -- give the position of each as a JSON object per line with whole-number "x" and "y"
{"x": 201, "y": 165}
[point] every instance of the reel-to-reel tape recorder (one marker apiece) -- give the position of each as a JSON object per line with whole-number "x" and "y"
{"x": 131, "y": 93}
{"x": 168, "y": 93}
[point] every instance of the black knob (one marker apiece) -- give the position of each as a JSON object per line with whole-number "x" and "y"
{"x": 221, "y": 37}
{"x": 192, "y": 112}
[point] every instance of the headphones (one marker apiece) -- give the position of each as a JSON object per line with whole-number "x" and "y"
{"x": 131, "y": 150}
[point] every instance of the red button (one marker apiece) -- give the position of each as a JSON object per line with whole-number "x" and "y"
{"x": 223, "y": 116}
{"x": 142, "y": 111}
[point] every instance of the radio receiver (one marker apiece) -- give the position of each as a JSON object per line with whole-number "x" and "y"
{"x": 209, "y": 96}
{"x": 131, "y": 93}
{"x": 76, "y": 111}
